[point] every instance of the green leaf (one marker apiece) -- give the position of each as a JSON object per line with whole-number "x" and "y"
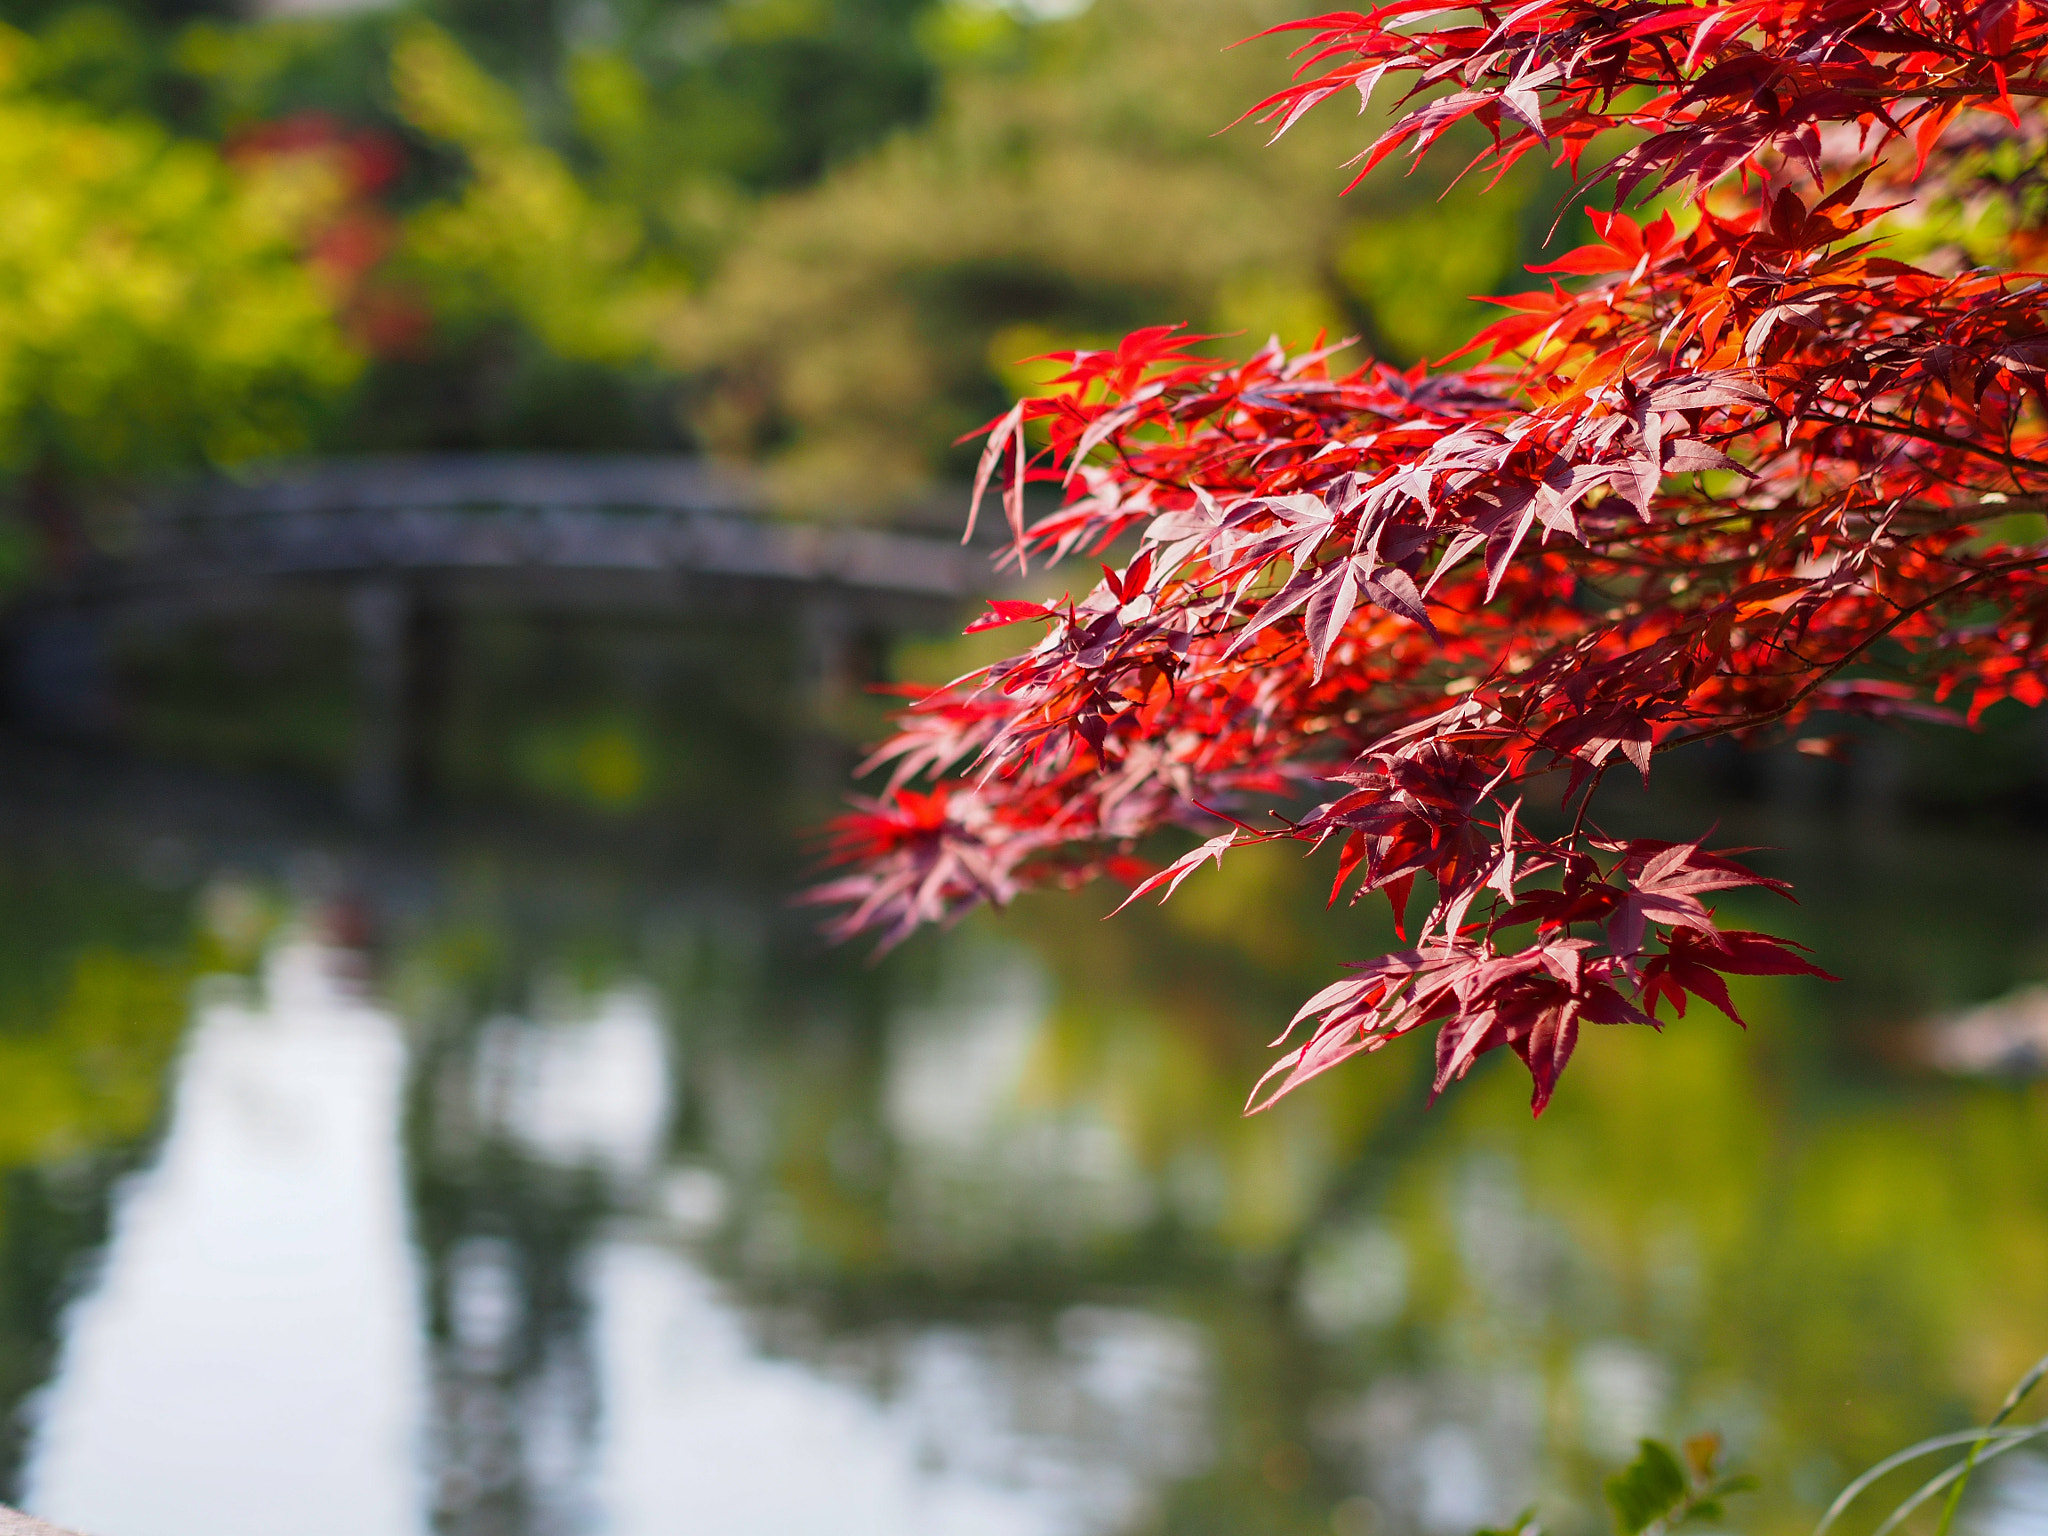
{"x": 1648, "y": 1489}
{"x": 1523, "y": 1524}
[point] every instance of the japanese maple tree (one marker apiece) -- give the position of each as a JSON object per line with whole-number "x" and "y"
{"x": 1739, "y": 461}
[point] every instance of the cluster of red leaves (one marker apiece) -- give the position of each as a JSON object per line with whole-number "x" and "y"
{"x": 1748, "y": 467}
{"x": 349, "y": 245}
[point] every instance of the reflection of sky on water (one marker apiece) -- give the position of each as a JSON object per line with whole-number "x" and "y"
{"x": 591, "y": 1089}
{"x": 987, "y": 1167}
{"x": 254, "y": 1343}
{"x": 700, "y": 1422}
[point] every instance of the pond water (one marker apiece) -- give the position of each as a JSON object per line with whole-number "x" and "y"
{"x": 496, "y": 1180}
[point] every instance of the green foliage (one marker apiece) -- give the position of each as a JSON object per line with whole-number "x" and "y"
{"x": 526, "y": 235}
{"x": 1072, "y": 183}
{"x": 819, "y": 233}
{"x": 1417, "y": 270}
{"x": 1646, "y": 1491}
{"x": 604, "y": 765}
{"x": 1657, "y": 1492}
{"x": 90, "y": 1074}
{"x": 764, "y": 94}
{"x": 115, "y": 57}
{"x": 153, "y": 307}
{"x": 570, "y": 170}
{"x": 237, "y": 74}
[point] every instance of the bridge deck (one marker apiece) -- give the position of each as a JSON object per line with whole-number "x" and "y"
{"x": 526, "y": 524}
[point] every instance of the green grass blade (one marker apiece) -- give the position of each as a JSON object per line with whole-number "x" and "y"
{"x": 1913, "y": 1452}
{"x": 1954, "y": 1478}
{"x": 2013, "y": 1399}
{"x": 2018, "y": 1394}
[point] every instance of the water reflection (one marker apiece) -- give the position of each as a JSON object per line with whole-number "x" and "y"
{"x": 933, "y": 1429}
{"x": 255, "y": 1326}
{"x": 986, "y": 1160}
{"x": 514, "y": 1191}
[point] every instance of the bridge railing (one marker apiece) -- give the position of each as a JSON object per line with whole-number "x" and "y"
{"x": 516, "y": 513}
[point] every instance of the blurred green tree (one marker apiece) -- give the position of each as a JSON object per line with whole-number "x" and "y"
{"x": 767, "y": 94}
{"x": 566, "y": 168}
{"x": 1071, "y": 185}
{"x": 820, "y": 233}
{"x": 526, "y": 234}
{"x": 155, "y": 306}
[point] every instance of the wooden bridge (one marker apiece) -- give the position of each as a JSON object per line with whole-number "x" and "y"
{"x": 558, "y": 532}
{"x": 406, "y": 543}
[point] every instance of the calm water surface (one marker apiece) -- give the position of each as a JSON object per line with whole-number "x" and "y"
{"x": 493, "y": 1181}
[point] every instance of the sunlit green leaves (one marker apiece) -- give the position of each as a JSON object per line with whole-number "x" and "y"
{"x": 1656, "y": 1493}
{"x": 1647, "y": 1490}
{"x": 154, "y": 309}
{"x": 526, "y": 235}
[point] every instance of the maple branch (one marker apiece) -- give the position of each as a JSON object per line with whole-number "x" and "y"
{"x": 1284, "y": 635}
{"x": 1769, "y": 717}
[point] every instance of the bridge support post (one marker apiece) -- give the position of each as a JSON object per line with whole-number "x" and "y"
{"x": 378, "y": 613}
{"x": 402, "y": 654}
{"x": 826, "y": 658}
{"x": 827, "y": 639}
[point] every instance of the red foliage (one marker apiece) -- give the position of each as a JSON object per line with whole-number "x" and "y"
{"x": 348, "y": 246}
{"x": 1747, "y": 467}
